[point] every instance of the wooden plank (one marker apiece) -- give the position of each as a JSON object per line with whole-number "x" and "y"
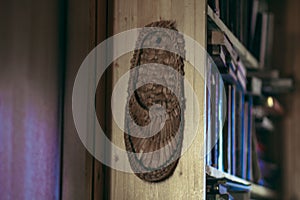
{"x": 187, "y": 182}
{"x": 103, "y": 18}
{"x": 262, "y": 192}
{"x": 77, "y": 167}
{"x": 90, "y": 161}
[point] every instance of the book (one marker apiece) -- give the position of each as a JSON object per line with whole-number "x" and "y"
{"x": 260, "y": 31}
{"x": 256, "y": 8}
{"x": 214, "y": 118}
{"x": 245, "y": 141}
{"x": 242, "y": 68}
{"x": 241, "y": 80}
{"x": 221, "y": 117}
{"x": 249, "y": 138}
{"x": 239, "y": 130}
{"x": 209, "y": 144}
{"x": 233, "y": 129}
{"x": 208, "y": 130}
{"x": 229, "y": 74}
{"x": 232, "y": 16}
{"x": 256, "y": 41}
{"x": 227, "y": 132}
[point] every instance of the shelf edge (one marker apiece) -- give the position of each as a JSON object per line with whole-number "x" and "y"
{"x": 256, "y": 190}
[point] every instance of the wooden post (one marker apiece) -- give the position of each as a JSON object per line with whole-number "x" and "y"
{"x": 188, "y": 180}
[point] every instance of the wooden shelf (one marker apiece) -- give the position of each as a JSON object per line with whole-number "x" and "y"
{"x": 256, "y": 190}
{"x": 211, "y": 171}
{"x": 248, "y": 59}
{"x": 260, "y": 191}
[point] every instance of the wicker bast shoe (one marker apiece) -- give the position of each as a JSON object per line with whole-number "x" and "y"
{"x": 154, "y": 122}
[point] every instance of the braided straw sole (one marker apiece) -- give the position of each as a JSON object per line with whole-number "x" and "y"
{"x": 158, "y": 166}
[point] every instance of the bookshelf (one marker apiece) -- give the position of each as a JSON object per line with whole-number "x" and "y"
{"x": 215, "y": 24}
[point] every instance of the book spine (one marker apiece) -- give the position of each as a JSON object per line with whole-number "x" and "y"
{"x": 221, "y": 106}
{"x": 214, "y": 119}
{"x": 249, "y": 155}
{"x": 229, "y": 110}
{"x": 208, "y": 114}
{"x": 217, "y": 126}
{"x": 239, "y": 131}
{"x": 245, "y": 139}
{"x": 233, "y": 124}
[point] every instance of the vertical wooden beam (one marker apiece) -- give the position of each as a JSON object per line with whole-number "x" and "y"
{"x": 286, "y": 59}
{"x": 77, "y": 162}
{"x": 187, "y": 182}
{"x": 103, "y": 21}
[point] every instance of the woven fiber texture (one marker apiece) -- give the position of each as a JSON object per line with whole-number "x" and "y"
{"x": 154, "y": 157}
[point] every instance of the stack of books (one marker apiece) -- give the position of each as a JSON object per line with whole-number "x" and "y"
{"x": 243, "y": 104}
{"x": 232, "y": 142}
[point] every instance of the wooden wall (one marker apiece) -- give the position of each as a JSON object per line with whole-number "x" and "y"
{"x": 287, "y": 60}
